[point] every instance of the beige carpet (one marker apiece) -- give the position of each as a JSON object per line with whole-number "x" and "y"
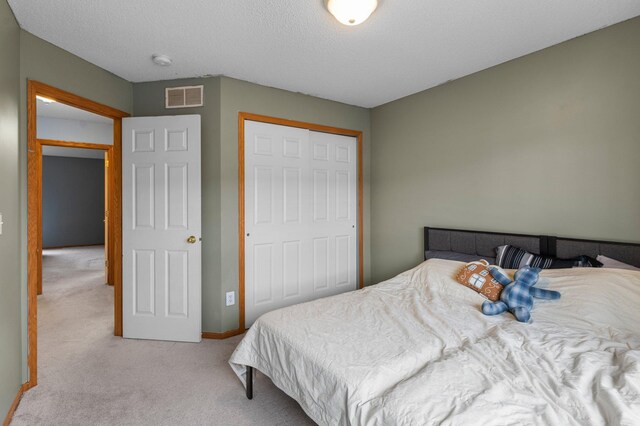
{"x": 89, "y": 377}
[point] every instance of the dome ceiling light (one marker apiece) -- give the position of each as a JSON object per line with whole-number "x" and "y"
{"x": 162, "y": 60}
{"x": 351, "y": 12}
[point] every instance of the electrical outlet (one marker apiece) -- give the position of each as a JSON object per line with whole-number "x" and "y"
{"x": 231, "y": 298}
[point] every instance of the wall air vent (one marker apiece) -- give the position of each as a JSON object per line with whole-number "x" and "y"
{"x": 184, "y": 97}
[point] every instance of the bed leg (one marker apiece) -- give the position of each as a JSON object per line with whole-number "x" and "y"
{"x": 249, "y": 379}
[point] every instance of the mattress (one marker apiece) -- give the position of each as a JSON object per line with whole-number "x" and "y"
{"x": 417, "y": 350}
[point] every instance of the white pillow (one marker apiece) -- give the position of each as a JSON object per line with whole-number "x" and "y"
{"x": 607, "y": 262}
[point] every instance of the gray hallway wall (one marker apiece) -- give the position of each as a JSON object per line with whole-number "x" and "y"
{"x": 72, "y": 201}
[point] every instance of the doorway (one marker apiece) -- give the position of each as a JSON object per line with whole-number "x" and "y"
{"x": 75, "y": 309}
{"x": 75, "y": 194}
{"x": 113, "y": 221}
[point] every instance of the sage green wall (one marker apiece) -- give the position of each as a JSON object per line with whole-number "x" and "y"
{"x": 148, "y": 100}
{"x": 46, "y": 63}
{"x": 240, "y": 96}
{"x": 10, "y": 323}
{"x": 545, "y": 144}
{"x": 224, "y": 98}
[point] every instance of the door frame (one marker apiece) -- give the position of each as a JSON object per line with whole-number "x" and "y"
{"x": 244, "y": 116}
{"x": 108, "y": 196}
{"x": 34, "y": 208}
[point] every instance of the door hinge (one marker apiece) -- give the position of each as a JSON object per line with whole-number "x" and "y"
{"x": 106, "y": 163}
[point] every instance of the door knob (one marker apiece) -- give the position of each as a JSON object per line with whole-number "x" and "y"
{"x": 192, "y": 240}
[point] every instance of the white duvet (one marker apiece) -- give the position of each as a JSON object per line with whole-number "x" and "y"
{"x": 416, "y": 350}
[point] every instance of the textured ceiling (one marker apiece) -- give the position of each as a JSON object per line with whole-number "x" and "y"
{"x": 58, "y": 110}
{"x": 405, "y": 47}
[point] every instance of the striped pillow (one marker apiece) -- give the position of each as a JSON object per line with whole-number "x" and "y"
{"x": 510, "y": 257}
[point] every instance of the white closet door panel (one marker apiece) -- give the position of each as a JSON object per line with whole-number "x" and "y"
{"x": 300, "y": 217}
{"x": 321, "y": 264}
{"x": 335, "y": 157}
{"x": 274, "y": 211}
{"x": 344, "y": 256}
{"x": 291, "y": 268}
{"x": 292, "y": 185}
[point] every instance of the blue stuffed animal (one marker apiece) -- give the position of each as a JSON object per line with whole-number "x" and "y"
{"x": 517, "y": 295}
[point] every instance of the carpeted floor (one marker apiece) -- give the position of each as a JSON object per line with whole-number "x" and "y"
{"x": 89, "y": 377}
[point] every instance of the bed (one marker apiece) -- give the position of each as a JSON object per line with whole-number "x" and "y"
{"x": 416, "y": 349}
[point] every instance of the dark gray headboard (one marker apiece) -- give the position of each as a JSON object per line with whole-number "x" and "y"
{"x": 566, "y": 248}
{"x": 464, "y": 245}
{"x": 480, "y": 244}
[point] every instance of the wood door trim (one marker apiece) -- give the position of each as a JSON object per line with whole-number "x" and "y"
{"x": 116, "y": 224}
{"x": 75, "y": 101}
{"x": 108, "y": 149}
{"x": 71, "y": 144}
{"x": 67, "y": 144}
{"x": 34, "y": 206}
{"x": 244, "y": 116}
{"x": 225, "y": 335}
{"x": 14, "y": 405}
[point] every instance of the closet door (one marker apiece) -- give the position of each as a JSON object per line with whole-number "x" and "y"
{"x": 300, "y": 216}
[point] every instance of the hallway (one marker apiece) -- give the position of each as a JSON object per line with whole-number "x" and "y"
{"x": 89, "y": 377}
{"x": 75, "y": 306}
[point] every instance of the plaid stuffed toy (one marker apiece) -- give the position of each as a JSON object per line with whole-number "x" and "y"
{"x": 517, "y": 295}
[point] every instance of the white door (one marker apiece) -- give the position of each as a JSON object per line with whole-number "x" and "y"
{"x": 300, "y": 216}
{"x": 161, "y": 224}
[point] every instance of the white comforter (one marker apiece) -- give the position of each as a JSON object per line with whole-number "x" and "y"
{"x": 417, "y": 350}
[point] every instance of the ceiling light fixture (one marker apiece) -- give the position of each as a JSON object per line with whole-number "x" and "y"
{"x": 45, "y": 100}
{"x": 162, "y": 60}
{"x": 351, "y": 12}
